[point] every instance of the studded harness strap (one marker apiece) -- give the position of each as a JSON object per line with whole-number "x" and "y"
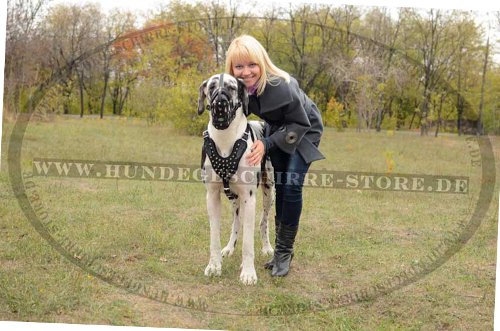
{"x": 226, "y": 167}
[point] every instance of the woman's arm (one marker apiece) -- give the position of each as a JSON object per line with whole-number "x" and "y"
{"x": 295, "y": 123}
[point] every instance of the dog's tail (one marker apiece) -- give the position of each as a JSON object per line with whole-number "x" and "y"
{"x": 257, "y": 128}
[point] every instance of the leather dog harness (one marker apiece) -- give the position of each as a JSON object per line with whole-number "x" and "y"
{"x": 225, "y": 167}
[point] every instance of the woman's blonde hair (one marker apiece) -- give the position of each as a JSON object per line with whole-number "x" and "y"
{"x": 244, "y": 48}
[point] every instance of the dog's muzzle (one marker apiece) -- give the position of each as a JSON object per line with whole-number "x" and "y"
{"x": 222, "y": 110}
{"x": 222, "y": 107}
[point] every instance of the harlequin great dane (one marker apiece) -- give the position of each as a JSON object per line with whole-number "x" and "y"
{"x": 227, "y": 141}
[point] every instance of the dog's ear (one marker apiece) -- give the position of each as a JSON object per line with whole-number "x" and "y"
{"x": 201, "y": 97}
{"x": 243, "y": 95}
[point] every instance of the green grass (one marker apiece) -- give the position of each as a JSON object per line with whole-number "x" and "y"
{"x": 157, "y": 233}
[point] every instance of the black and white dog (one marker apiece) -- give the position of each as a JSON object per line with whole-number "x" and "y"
{"x": 227, "y": 141}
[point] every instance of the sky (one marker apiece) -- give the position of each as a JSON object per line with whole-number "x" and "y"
{"x": 485, "y": 5}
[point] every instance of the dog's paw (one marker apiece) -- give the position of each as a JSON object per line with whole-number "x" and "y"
{"x": 248, "y": 276}
{"x": 213, "y": 269}
{"x": 267, "y": 250}
{"x": 227, "y": 251}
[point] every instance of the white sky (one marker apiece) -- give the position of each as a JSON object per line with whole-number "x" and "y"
{"x": 484, "y": 5}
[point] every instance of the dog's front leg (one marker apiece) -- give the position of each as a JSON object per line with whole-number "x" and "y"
{"x": 214, "y": 266}
{"x": 231, "y": 245}
{"x": 248, "y": 275}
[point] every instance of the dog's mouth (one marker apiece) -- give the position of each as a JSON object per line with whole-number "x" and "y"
{"x": 223, "y": 110}
{"x": 222, "y": 107}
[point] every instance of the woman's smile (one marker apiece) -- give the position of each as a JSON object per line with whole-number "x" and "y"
{"x": 249, "y": 71}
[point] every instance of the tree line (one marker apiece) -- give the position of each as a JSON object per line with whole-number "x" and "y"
{"x": 366, "y": 68}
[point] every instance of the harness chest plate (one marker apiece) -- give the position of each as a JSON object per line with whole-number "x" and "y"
{"x": 226, "y": 167}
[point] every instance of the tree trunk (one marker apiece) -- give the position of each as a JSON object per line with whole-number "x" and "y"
{"x": 122, "y": 102}
{"x": 113, "y": 92}
{"x": 380, "y": 114}
{"x": 483, "y": 81}
{"x": 439, "y": 114}
{"x": 80, "y": 83}
{"x": 360, "y": 120}
{"x": 460, "y": 111}
{"x": 106, "y": 79}
{"x": 424, "y": 125}
{"x": 412, "y": 119}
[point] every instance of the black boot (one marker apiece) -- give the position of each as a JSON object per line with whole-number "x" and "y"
{"x": 269, "y": 265}
{"x": 283, "y": 254}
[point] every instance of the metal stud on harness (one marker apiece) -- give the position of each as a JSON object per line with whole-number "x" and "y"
{"x": 226, "y": 167}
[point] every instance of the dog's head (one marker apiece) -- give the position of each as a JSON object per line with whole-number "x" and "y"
{"x": 226, "y": 96}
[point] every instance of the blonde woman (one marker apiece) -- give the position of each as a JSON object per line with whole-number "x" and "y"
{"x": 293, "y": 132}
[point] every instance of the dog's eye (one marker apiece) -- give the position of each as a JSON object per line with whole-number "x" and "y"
{"x": 211, "y": 89}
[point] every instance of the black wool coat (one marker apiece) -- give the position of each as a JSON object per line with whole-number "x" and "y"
{"x": 294, "y": 121}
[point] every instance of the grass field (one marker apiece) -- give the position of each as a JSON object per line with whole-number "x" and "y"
{"x": 156, "y": 233}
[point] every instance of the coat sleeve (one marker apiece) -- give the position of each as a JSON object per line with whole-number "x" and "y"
{"x": 295, "y": 126}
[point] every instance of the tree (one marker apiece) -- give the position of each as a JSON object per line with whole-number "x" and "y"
{"x": 342, "y": 55}
{"x": 431, "y": 40}
{"x": 384, "y": 34}
{"x": 116, "y": 24}
{"x": 221, "y": 25}
{"x": 25, "y": 62}
{"x": 463, "y": 70}
{"x": 480, "y": 130}
{"x": 72, "y": 34}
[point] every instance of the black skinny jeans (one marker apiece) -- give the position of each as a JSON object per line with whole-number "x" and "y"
{"x": 289, "y": 173}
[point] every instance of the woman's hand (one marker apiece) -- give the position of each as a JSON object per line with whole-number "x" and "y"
{"x": 257, "y": 153}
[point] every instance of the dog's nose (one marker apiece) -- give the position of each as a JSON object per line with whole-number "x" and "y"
{"x": 223, "y": 97}
{"x": 222, "y": 102}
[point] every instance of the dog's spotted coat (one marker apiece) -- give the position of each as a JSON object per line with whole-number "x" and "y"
{"x": 232, "y": 123}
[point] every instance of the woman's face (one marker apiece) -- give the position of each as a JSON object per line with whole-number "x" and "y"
{"x": 247, "y": 70}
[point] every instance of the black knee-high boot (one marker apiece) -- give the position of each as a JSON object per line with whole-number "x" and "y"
{"x": 283, "y": 253}
{"x": 269, "y": 265}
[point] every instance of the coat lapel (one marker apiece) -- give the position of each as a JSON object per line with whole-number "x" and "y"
{"x": 275, "y": 96}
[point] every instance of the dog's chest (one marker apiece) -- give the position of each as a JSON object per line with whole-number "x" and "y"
{"x": 225, "y": 139}
{"x": 225, "y": 155}
{"x": 224, "y": 148}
